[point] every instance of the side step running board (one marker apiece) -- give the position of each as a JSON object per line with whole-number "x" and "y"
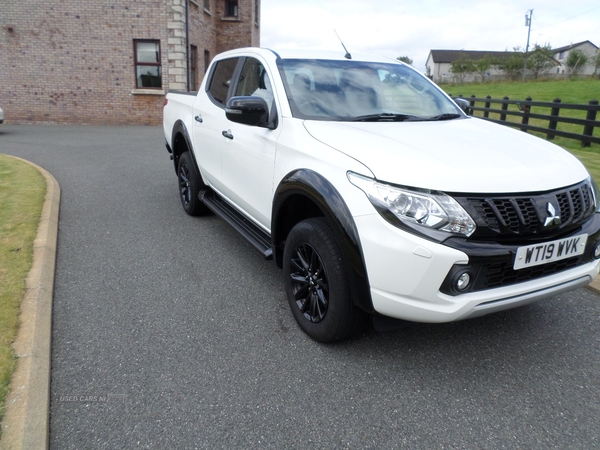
{"x": 257, "y": 237}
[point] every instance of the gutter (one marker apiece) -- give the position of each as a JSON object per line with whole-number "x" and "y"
{"x": 187, "y": 44}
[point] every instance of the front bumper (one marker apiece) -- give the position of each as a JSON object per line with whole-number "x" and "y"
{"x": 406, "y": 274}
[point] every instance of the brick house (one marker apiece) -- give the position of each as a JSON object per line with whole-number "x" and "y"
{"x": 111, "y": 61}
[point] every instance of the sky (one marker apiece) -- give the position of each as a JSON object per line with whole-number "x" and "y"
{"x": 395, "y": 28}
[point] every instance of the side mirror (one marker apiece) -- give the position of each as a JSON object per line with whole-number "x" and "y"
{"x": 252, "y": 111}
{"x": 462, "y": 104}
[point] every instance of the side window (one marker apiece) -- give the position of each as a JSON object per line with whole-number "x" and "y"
{"x": 254, "y": 81}
{"x": 221, "y": 80}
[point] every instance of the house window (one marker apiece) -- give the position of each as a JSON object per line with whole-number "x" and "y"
{"x": 193, "y": 67}
{"x": 147, "y": 64}
{"x": 207, "y": 5}
{"x": 257, "y": 12}
{"x": 231, "y": 8}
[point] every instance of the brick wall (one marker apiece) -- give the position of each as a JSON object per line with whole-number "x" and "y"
{"x": 201, "y": 20}
{"x": 237, "y": 32}
{"x": 73, "y": 61}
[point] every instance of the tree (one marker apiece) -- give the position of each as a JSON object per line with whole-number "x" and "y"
{"x": 482, "y": 65}
{"x": 513, "y": 65}
{"x": 596, "y": 61}
{"x": 428, "y": 73}
{"x": 461, "y": 67}
{"x": 576, "y": 61}
{"x": 540, "y": 60}
{"x": 405, "y": 59}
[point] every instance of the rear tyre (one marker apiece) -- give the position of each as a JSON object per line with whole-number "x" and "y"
{"x": 189, "y": 186}
{"x": 316, "y": 283}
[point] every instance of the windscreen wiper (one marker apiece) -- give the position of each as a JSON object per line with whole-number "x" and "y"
{"x": 443, "y": 117}
{"x": 382, "y": 117}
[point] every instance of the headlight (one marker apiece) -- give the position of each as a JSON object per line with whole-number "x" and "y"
{"x": 432, "y": 210}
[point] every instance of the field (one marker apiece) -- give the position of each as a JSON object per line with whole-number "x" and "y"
{"x": 569, "y": 91}
{"x": 578, "y": 91}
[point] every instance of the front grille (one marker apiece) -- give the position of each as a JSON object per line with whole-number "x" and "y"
{"x": 511, "y": 213}
{"x": 514, "y": 216}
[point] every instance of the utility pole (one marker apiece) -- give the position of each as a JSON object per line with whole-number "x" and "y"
{"x": 528, "y": 16}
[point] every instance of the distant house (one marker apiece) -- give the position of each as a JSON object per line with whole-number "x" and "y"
{"x": 562, "y": 53}
{"x": 111, "y": 61}
{"x": 439, "y": 62}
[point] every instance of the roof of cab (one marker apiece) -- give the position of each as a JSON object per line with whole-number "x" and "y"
{"x": 306, "y": 54}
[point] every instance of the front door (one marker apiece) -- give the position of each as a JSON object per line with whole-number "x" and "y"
{"x": 248, "y": 155}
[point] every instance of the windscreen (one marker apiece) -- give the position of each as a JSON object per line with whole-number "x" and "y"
{"x": 356, "y": 90}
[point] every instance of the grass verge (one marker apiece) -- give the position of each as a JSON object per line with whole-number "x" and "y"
{"x": 22, "y": 192}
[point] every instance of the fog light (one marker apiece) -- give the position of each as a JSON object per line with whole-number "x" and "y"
{"x": 597, "y": 251}
{"x": 463, "y": 281}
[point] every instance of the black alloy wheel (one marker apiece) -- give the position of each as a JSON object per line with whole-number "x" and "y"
{"x": 189, "y": 186}
{"x": 310, "y": 285}
{"x": 316, "y": 283}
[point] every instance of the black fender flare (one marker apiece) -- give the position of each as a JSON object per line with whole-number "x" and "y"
{"x": 319, "y": 197}
{"x": 179, "y": 129}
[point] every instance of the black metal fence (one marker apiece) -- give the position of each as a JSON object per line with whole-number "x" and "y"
{"x": 523, "y": 110}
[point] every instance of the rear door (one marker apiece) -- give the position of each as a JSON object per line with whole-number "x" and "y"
{"x": 209, "y": 115}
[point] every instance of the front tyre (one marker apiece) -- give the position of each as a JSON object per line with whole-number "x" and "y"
{"x": 189, "y": 186}
{"x": 316, "y": 283}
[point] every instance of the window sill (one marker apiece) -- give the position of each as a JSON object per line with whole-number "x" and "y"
{"x": 231, "y": 19}
{"x": 148, "y": 91}
{"x": 195, "y": 3}
{"x": 207, "y": 12}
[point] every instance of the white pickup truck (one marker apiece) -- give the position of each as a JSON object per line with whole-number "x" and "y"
{"x": 375, "y": 193}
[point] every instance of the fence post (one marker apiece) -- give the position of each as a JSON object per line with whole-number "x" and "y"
{"x": 486, "y": 113}
{"x": 553, "y": 122}
{"x": 471, "y": 105}
{"x": 588, "y": 130}
{"x": 526, "y": 110}
{"x": 504, "y": 108}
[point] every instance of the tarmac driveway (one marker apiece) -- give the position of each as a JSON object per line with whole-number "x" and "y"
{"x": 171, "y": 332}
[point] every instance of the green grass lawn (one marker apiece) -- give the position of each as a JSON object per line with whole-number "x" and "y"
{"x": 22, "y": 192}
{"x": 578, "y": 90}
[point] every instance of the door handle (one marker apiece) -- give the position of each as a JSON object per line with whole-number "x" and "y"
{"x": 198, "y": 119}
{"x": 227, "y": 134}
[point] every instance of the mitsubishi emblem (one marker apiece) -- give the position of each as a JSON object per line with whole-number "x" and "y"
{"x": 552, "y": 218}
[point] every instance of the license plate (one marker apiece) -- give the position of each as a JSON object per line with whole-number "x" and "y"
{"x": 547, "y": 252}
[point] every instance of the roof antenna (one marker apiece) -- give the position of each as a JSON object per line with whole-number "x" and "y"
{"x": 347, "y": 55}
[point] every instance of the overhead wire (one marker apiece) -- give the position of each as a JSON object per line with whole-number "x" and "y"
{"x": 565, "y": 20}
